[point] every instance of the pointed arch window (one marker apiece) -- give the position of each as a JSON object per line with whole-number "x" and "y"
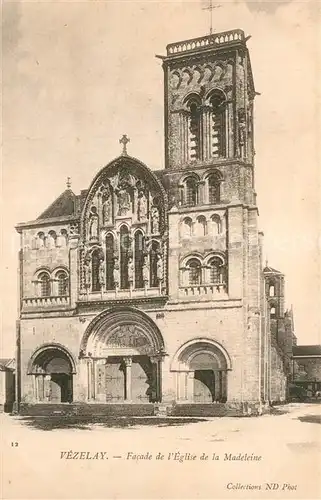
{"x": 218, "y": 124}
{"x": 110, "y": 285}
{"x": 214, "y": 188}
{"x": 95, "y": 261}
{"x": 45, "y": 288}
{"x": 217, "y": 271}
{"x": 63, "y": 283}
{"x": 194, "y": 272}
{"x": 139, "y": 259}
{"x": 124, "y": 256}
{"x": 153, "y": 258}
{"x": 194, "y": 129}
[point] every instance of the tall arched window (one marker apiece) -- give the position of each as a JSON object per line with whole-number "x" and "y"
{"x": 214, "y": 188}
{"x": 191, "y": 191}
{"x": 218, "y": 124}
{"x": 153, "y": 257}
{"x": 272, "y": 290}
{"x": 194, "y": 272}
{"x": 40, "y": 241}
{"x": 139, "y": 259}
{"x": 186, "y": 228}
{"x": 95, "y": 261}
{"x": 124, "y": 256}
{"x": 216, "y": 224}
{"x": 110, "y": 285}
{"x": 51, "y": 239}
{"x": 63, "y": 283}
{"x": 194, "y": 129}
{"x": 200, "y": 226}
{"x": 216, "y": 271}
{"x": 45, "y": 288}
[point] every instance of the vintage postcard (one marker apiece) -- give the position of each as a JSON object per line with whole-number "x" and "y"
{"x": 160, "y": 250}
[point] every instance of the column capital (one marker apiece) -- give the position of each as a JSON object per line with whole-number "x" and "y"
{"x": 128, "y": 360}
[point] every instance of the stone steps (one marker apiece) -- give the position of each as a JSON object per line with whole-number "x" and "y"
{"x": 87, "y": 410}
{"x": 202, "y": 410}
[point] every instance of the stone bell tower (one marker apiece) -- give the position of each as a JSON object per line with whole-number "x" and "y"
{"x": 209, "y": 95}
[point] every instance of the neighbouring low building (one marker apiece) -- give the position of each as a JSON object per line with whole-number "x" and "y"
{"x": 7, "y": 384}
{"x": 307, "y": 368}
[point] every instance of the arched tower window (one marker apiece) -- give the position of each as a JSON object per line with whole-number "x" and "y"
{"x": 194, "y": 272}
{"x": 110, "y": 285}
{"x": 191, "y": 191}
{"x": 273, "y": 309}
{"x": 40, "y": 240}
{"x": 51, "y": 239}
{"x": 272, "y": 290}
{"x": 218, "y": 124}
{"x": 139, "y": 259}
{"x": 45, "y": 288}
{"x": 63, "y": 283}
{"x": 200, "y": 227}
{"x": 124, "y": 256}
{"x": 194, "y": 129}
{"x": 217, "y": 274}
{"x": 214, "y": 188}
{"x": 216, "y": 224}
{"x": 186, "y": 228}
{"x": 153, "y": 257}
{"x": 95, "y": 261}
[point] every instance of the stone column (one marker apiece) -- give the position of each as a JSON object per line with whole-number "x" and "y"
{"x": 206, "y": 132}
{"x": 190, "y": 386}
{"x": 157, "y": 378}
{"x": 224, "y": 374}
{"x": 46, "y": 387}
{"x": 128, "y": 378}
{"x": 219, "y": 377}
{"x": 35, "y": 388}
{"x": 73, "y": 269}
{"x": 90, "y": 380}
{"x": 183, "y": 129}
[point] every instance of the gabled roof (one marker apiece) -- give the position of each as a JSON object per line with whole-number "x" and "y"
{"x": 64, "y": 205}
{"x": 271, "y": 270}
{"x": 307, "y": 350}
{"x": 7, "y": 364}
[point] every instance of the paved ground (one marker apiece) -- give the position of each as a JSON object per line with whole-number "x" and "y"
{"x": 274, "y": 456}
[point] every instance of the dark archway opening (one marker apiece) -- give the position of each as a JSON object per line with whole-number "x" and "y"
{"x": 53, "y": 377}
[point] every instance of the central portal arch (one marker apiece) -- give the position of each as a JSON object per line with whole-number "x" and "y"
{"x": 124, "y": 350}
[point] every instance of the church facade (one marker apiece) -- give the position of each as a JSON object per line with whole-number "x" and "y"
{"x": 147, "y": 291}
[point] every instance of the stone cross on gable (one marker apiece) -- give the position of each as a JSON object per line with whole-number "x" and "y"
{"x": 68, "y": 183}
{"x": 124, "y": 141}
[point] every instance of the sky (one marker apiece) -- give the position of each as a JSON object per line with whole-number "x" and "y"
{"x": 78, "y": 75}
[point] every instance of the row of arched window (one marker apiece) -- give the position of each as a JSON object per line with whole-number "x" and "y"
{"x": 195, "y": 192}
{"x": 50, "y": 240}
{"x": 129, "y": 262}
{"x": 206, "y": 123}
{"x": 197, "y": 272}
{"x": 52, "y": 284}
{"x": 201, "y": 226}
